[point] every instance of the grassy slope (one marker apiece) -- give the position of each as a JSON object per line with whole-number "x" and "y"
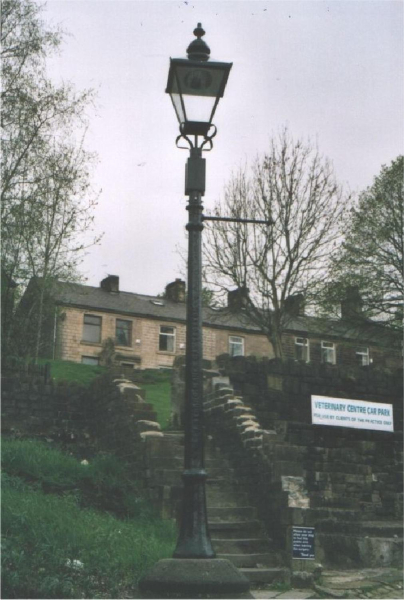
{"x": 159, "y": 395}
{"x": 44, "y": 533}
{"x": 64, "y": 370}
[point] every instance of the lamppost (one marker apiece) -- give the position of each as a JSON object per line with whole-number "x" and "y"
{"x": 195, "y": 85}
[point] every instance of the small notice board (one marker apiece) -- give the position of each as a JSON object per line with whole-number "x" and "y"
{"x": 303, "y": 543}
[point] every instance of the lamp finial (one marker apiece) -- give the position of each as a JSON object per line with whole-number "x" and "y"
{"x": 198, "y": 49}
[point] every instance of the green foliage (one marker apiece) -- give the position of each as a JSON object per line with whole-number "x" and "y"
{"x": 107, "y": 355}
{"x": 45, "y": 533}
{"x": 371, "y": 258}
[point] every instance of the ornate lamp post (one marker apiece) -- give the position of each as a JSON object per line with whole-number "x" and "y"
{"x": 195, "y": 85}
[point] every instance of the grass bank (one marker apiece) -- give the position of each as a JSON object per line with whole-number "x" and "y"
{"x": 65, "y": 370}
{"x": 71, "y": 530}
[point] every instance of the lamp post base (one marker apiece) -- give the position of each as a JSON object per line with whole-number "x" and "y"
{"x": 194, "y": 578}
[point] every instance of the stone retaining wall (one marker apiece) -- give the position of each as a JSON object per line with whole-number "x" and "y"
{"x": 336, "y": 479}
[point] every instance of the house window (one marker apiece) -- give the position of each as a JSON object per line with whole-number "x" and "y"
{"x": 123, "y": 332}
{"x": 90, "y": 360}
{"x": 328, "y": 353}
{"x": 92, "y": 329}
{"x": 302, "y": 350}
{"x": 236, "y": 345}
{"x": 362, "y": 356}
{"x": 167, "y": 339}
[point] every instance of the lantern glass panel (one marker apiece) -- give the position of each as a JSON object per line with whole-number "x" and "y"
{"x": 195, "y": 88}
{"x": 179, "y": 109}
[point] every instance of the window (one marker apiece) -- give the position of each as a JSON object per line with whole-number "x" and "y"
{"x": 90, "y": 360}
{"x": 302, "y": 349}
{"x": 167, "y": 339}
{"x": 123, "y": 332}
{"x": 236, "y": 345}
{"x": 92, "y": 329}
{"x": 362, "y": 356}
{"x": 328, "y": 353}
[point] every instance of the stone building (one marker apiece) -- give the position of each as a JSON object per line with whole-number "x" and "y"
{"x": 149, "y": 331}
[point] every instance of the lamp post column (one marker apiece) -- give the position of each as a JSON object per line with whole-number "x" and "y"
{"x": 194, "y": 540}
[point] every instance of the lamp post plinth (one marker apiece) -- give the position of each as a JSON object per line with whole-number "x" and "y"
{"x": 195, "y": 578}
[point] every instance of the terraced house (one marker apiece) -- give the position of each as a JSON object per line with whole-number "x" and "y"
{"x": 149, "y": 331}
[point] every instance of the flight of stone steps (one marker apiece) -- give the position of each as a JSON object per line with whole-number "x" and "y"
{"x": 235, "y": 531}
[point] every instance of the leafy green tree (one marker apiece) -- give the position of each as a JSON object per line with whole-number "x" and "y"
{"x": 46, "y": 196}
{"x": 295, "y": 187}
{"x": 371, "y": 259}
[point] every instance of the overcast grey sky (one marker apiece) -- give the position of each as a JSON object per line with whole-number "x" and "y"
{"x": 331, "y": 71}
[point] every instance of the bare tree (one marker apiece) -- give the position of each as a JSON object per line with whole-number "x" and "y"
{"x": 295, "y": 187}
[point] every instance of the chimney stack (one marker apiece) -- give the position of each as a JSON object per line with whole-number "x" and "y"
{"x": 238, "y": 299}
{"x": 110, "y": 283}
{"x": 295, "y": 305}
{"x": 351, "y": 305}
{"x": 175, "y": 291}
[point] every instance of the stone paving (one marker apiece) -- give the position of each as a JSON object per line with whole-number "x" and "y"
{"x": 375, "y": 584}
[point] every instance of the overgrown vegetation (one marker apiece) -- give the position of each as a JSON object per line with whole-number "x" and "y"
{"x": 73, "y": 530}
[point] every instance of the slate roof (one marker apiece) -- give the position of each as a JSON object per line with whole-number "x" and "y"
{"x": 127, "y": 303}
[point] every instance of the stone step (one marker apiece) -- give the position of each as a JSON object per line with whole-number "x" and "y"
{"x": 382, "y": 528}
{"x": 226, "y": 498}
{"x": 319, "y": 500}
{"x": 265, "y": 575}
{"x": 222, "y": 493}
{"x": 144, "y": 415}
{"x": 388, "y": 529}
{"x": 236, "y": 529}
{"x": 243, "y": 545}
{"x": 227, "y": 513}
{"x": 174, "y": 476}
{"x": 322, "y": 513}
{"x": 177, "y": 462}
{"x": 250, "y": 560}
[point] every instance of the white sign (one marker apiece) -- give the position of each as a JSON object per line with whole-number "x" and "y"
{"x": 359, "y": 414}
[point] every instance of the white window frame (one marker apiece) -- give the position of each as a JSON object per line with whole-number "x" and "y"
{"x": 328, "y": 350}
{"x": 304, "y": 343}
{"x": 236, "y": 341}
{"x": 169, "y": 336}
{"x": 363, "y": 353}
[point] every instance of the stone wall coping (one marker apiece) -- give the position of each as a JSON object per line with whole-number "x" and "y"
{"x": 151, "y": 434}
